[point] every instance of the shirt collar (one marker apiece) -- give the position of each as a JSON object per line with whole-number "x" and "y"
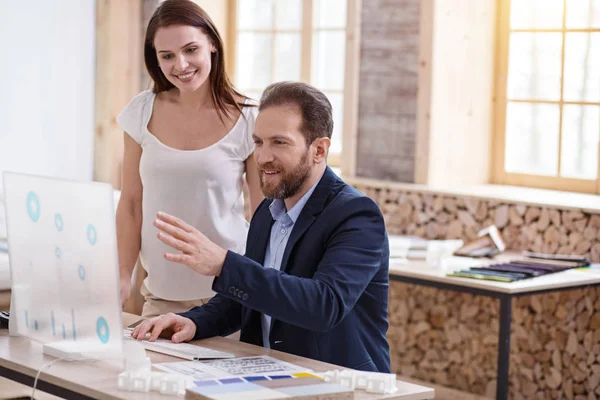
{"x": 278, "y": 210}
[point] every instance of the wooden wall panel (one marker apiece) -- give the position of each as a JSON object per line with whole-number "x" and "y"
{"x": 118, "y": 65}
{"x": 462, "y": 84}
{"x": 388, "y": 89}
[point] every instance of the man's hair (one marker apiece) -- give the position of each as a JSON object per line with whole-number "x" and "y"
{"x": 317, "y": 119}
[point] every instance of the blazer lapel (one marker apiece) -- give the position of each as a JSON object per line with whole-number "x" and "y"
{"x": 302, "y": 224}
{"x": 259, "y": 235}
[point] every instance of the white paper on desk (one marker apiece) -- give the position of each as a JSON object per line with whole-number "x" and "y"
{"x": 241, "y": 366}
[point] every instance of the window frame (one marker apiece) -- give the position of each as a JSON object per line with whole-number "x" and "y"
{"x": 499, "y": 173}
{"x": 346, "y": 159}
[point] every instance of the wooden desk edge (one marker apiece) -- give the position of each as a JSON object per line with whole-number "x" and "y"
{"x": 586, "y": 280}
{"x": 106, "y": 385}
{"x": 423, "y": 394}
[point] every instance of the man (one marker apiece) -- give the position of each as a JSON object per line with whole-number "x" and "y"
{"x": 314, "y": 280}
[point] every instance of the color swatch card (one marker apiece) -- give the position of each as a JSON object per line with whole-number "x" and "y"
{"x": 232, "y": 367}
{"x": 295, "y": 386}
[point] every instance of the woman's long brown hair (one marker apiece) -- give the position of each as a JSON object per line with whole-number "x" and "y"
{"x": 186, "y": 12}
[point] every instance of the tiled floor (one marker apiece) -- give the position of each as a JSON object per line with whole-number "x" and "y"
{"x": 444, "y": 393}
{"x": 11, "y": 390}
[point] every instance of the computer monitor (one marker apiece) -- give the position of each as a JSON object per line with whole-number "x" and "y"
{"x": 63, "y": 263}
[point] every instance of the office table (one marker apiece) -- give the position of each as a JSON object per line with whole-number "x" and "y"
{"x": 420, "y": 273}
{"x": 20, "y": 359}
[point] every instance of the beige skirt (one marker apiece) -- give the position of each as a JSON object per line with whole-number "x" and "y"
{"x": 155, "y": 306}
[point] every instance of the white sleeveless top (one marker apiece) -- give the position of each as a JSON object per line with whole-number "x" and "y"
{"x": 202, "y": 187}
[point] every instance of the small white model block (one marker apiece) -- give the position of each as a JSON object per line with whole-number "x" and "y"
{"x": 372, "y": 382}
{"x": 156, "y": 380}
{"x": 124, "y": 381}
{"x": 361, "y": 380}
{"x": 175, "y": 384}
{"x": 381, "y": 383}
{"x": 140, "y": 382}
{"x": 134, "y": 381}
{"x": 331, "y": 376}
{"x": 347, "y": 379}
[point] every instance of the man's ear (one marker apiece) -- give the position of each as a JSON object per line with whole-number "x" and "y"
{"x": 321, "y": 146}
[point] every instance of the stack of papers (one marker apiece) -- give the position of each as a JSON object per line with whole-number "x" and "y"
{"x": 411, "y": 247}
{"x": 534, "y": 265}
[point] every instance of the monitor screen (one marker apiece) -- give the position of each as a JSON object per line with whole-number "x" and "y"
{"x": 63, "y": 263}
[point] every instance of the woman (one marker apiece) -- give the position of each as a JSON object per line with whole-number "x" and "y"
{"x": 188, "y": 144}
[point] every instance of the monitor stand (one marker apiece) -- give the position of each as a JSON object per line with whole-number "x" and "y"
{"x": 64, "y": 350}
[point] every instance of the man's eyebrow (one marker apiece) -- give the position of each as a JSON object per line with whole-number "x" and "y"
{"x": 278, "y": 137}
{"x": 184, "y": 46}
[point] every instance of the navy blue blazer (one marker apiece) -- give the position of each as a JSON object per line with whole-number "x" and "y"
{"x": 329, "y": 302}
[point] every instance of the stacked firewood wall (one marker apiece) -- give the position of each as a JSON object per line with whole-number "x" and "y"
{"x": 451, "y": 338}
{"x": 524, "y": 227}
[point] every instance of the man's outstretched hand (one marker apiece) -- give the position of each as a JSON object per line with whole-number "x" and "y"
{"x": 195, "y": 249}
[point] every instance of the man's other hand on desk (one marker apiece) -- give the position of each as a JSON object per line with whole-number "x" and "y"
{"x": 177, "y": 328}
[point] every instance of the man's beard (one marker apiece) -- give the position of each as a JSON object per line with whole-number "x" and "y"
{"x": 289, "y": 184}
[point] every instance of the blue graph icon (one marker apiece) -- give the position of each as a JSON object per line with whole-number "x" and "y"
{"x": 35, "y": 325}
{"x": 26, "y": 319}
{"x": 64, "y": 332}
{"x": 102, "y": 330}
{"x": 81, "y": 272}
{"x": 73, "y": 320}
{"x": 91, "y": 234}
{"x": 33, "y": 206}
{"x": 53, "y": 323}
{"x": 58, "y": 252}
{"x": 58, "y": 221}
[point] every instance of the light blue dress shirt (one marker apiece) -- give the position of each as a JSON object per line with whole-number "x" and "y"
{"x": 280, "y": 233}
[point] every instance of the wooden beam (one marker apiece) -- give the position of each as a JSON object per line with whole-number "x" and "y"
{"x": 118, "y": 64}
{"x": 426, "y": 22}
{"x": 351, "y": 89}
{"x": 230, "y": 41}
{"x": 148, "y": 8}
{"x": 500, "y": 96}
{"x": 462, "y": 81}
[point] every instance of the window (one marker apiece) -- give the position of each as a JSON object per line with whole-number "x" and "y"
{"x": 547, "y": 125}
{"x": 300, "y": 40}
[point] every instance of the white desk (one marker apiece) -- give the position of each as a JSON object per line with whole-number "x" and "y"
{"x": 559, "y": 280}
{"x": 420, "y": 273}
